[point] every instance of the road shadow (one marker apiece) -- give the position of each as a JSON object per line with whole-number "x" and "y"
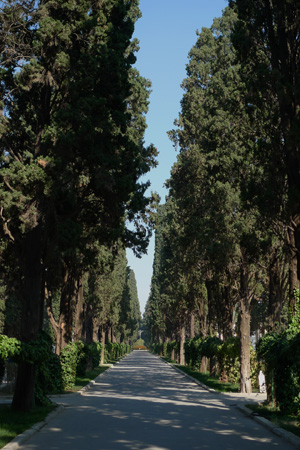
{"x": 142, "y": 403}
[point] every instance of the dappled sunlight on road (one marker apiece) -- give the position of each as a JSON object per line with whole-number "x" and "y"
{"x": 144, "y": 404}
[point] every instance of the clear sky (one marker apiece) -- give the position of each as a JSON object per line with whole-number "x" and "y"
{"x": 167, "y": 32}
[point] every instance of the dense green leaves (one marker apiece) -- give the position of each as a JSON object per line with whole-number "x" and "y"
{"x": 72, "y": 152}
{"x": 225, "y": 225}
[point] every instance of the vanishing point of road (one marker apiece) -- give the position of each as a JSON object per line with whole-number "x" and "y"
{"x": 143, "y": 403}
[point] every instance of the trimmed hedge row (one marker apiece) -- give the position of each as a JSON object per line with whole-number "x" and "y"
{"x": 280, "y": 353}
{"x": 224, "y": 357}
{"x": 115, "y": 351}
{"x": 55, "y": 374}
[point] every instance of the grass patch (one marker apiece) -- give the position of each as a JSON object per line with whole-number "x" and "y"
{"x": 286, "y": 421}
{"x": 13, "y": 423}
{"x": 209, "y": 381}
{"x": 89, "y": 376}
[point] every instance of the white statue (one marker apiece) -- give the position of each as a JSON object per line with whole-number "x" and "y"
{"x": 261, "y": 382}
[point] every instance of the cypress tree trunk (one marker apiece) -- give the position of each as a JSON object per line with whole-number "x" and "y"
{"x": 294, "y": 262}
{"x": 227, "y": 325}
{"x": 245, "y": 331}
{"x": 173, "y": 354}
{"x": 67, "y": 310}
{"x": 95, "y": 335}
{"x": 103, "y": 346}
{"x": 113, "y": 336}
{"x": 203, "y": 366}
{"x": 275, "y": 293}
{"x": 181, "y": 345}
{"x": 79, "y": 313}
{"x": 192, "y": 325}
{"x": 32, "y": 309}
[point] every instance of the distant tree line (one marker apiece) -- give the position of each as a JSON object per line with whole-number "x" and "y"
{"x": 72, "y": 123}
{"x": 227, "y": 251}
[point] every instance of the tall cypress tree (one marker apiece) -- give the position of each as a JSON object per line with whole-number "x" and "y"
{"x": 216, "y": 141}
{"x": 69, "y": 165}
{"x": 267, "y": 40}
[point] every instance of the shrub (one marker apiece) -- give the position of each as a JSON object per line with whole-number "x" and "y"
{"x": 69, "y": 361}
{"x": 193, "y": 352}
{"x": 229, "y": 359}
{"x": 114, "y": 350}
{"x": 48, "y": 379}
{"x": 281, "y": 355}
{"x": 82, "y": 358}
{"x": 139, "y": 347}
{"x": 210, "y": 346}
{"x": 94, "y": 351}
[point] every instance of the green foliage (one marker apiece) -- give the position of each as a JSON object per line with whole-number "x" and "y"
{"x": 40, "y": 353}
{"x": 210, "y": 346}
{"x": 15, "y": 423}
{"x": 69, "y": 361}
{"x": 72, "y": 150}
{"x": 229, "y": 359}
{"x": 81, "y": 358}
{"x": 9, "y": 347}
{"x": 94, "y": 352}
{"x": 281, "y": 355}
{"x": 115, "y": 350}
{"x": 227, "y": 355}
{"x": 48, "y": 373}
{"x": 88, "y": 355}
{"x": 193, "y": 352}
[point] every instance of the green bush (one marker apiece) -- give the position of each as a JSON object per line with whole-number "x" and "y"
{"x": 9, "y": 347}
{"x": 229, "y": 359}
{"x": 40, "y": 353}
{"x": 48, "y": 379}
{"x": 281, "y": 356}
{"x": 210, "y": 346}
{"x": 82, "y": 358}
{"x": 114, "y": 350}
{"x": 69, "y": 361}
{"x": 193, "y": 352}
{"x": 172, "y": 346}
{"x": 94, "y": 351}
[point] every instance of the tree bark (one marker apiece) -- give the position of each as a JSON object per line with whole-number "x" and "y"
{"x": 103, "y": 346}
{"x": 32, "y": 307}
{"x": 181, "y": 345}
{"x": 294, "y": 262}
{"x": 79, "y": 313}
{"x": 245, "y": 331}
{"x": 192, "y": 325}
{"x": 276, "y": 292}
{"x": 227, "y": 323}
{"x": 67, "y": 310}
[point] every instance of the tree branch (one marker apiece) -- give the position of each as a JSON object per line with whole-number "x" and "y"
{"x": 49, "y": 310}
{"x": 5, "y": 226}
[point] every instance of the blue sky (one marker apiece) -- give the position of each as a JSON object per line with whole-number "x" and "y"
{"x": 167, "y": 32}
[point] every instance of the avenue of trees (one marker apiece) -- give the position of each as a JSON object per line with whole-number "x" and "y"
{"x": 72, "y": 123}
{"x": 227, "y": 245}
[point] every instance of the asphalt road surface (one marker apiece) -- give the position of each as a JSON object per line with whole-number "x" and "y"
{"x": 142, "y": 403}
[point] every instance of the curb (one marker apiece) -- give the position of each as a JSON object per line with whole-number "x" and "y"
{"x": 287, "y": 435}
{"x": 19, "y": 440}
{"x": 191, "y": 378}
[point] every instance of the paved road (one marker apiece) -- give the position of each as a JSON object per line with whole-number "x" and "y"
{"x": 144, "y": 404}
